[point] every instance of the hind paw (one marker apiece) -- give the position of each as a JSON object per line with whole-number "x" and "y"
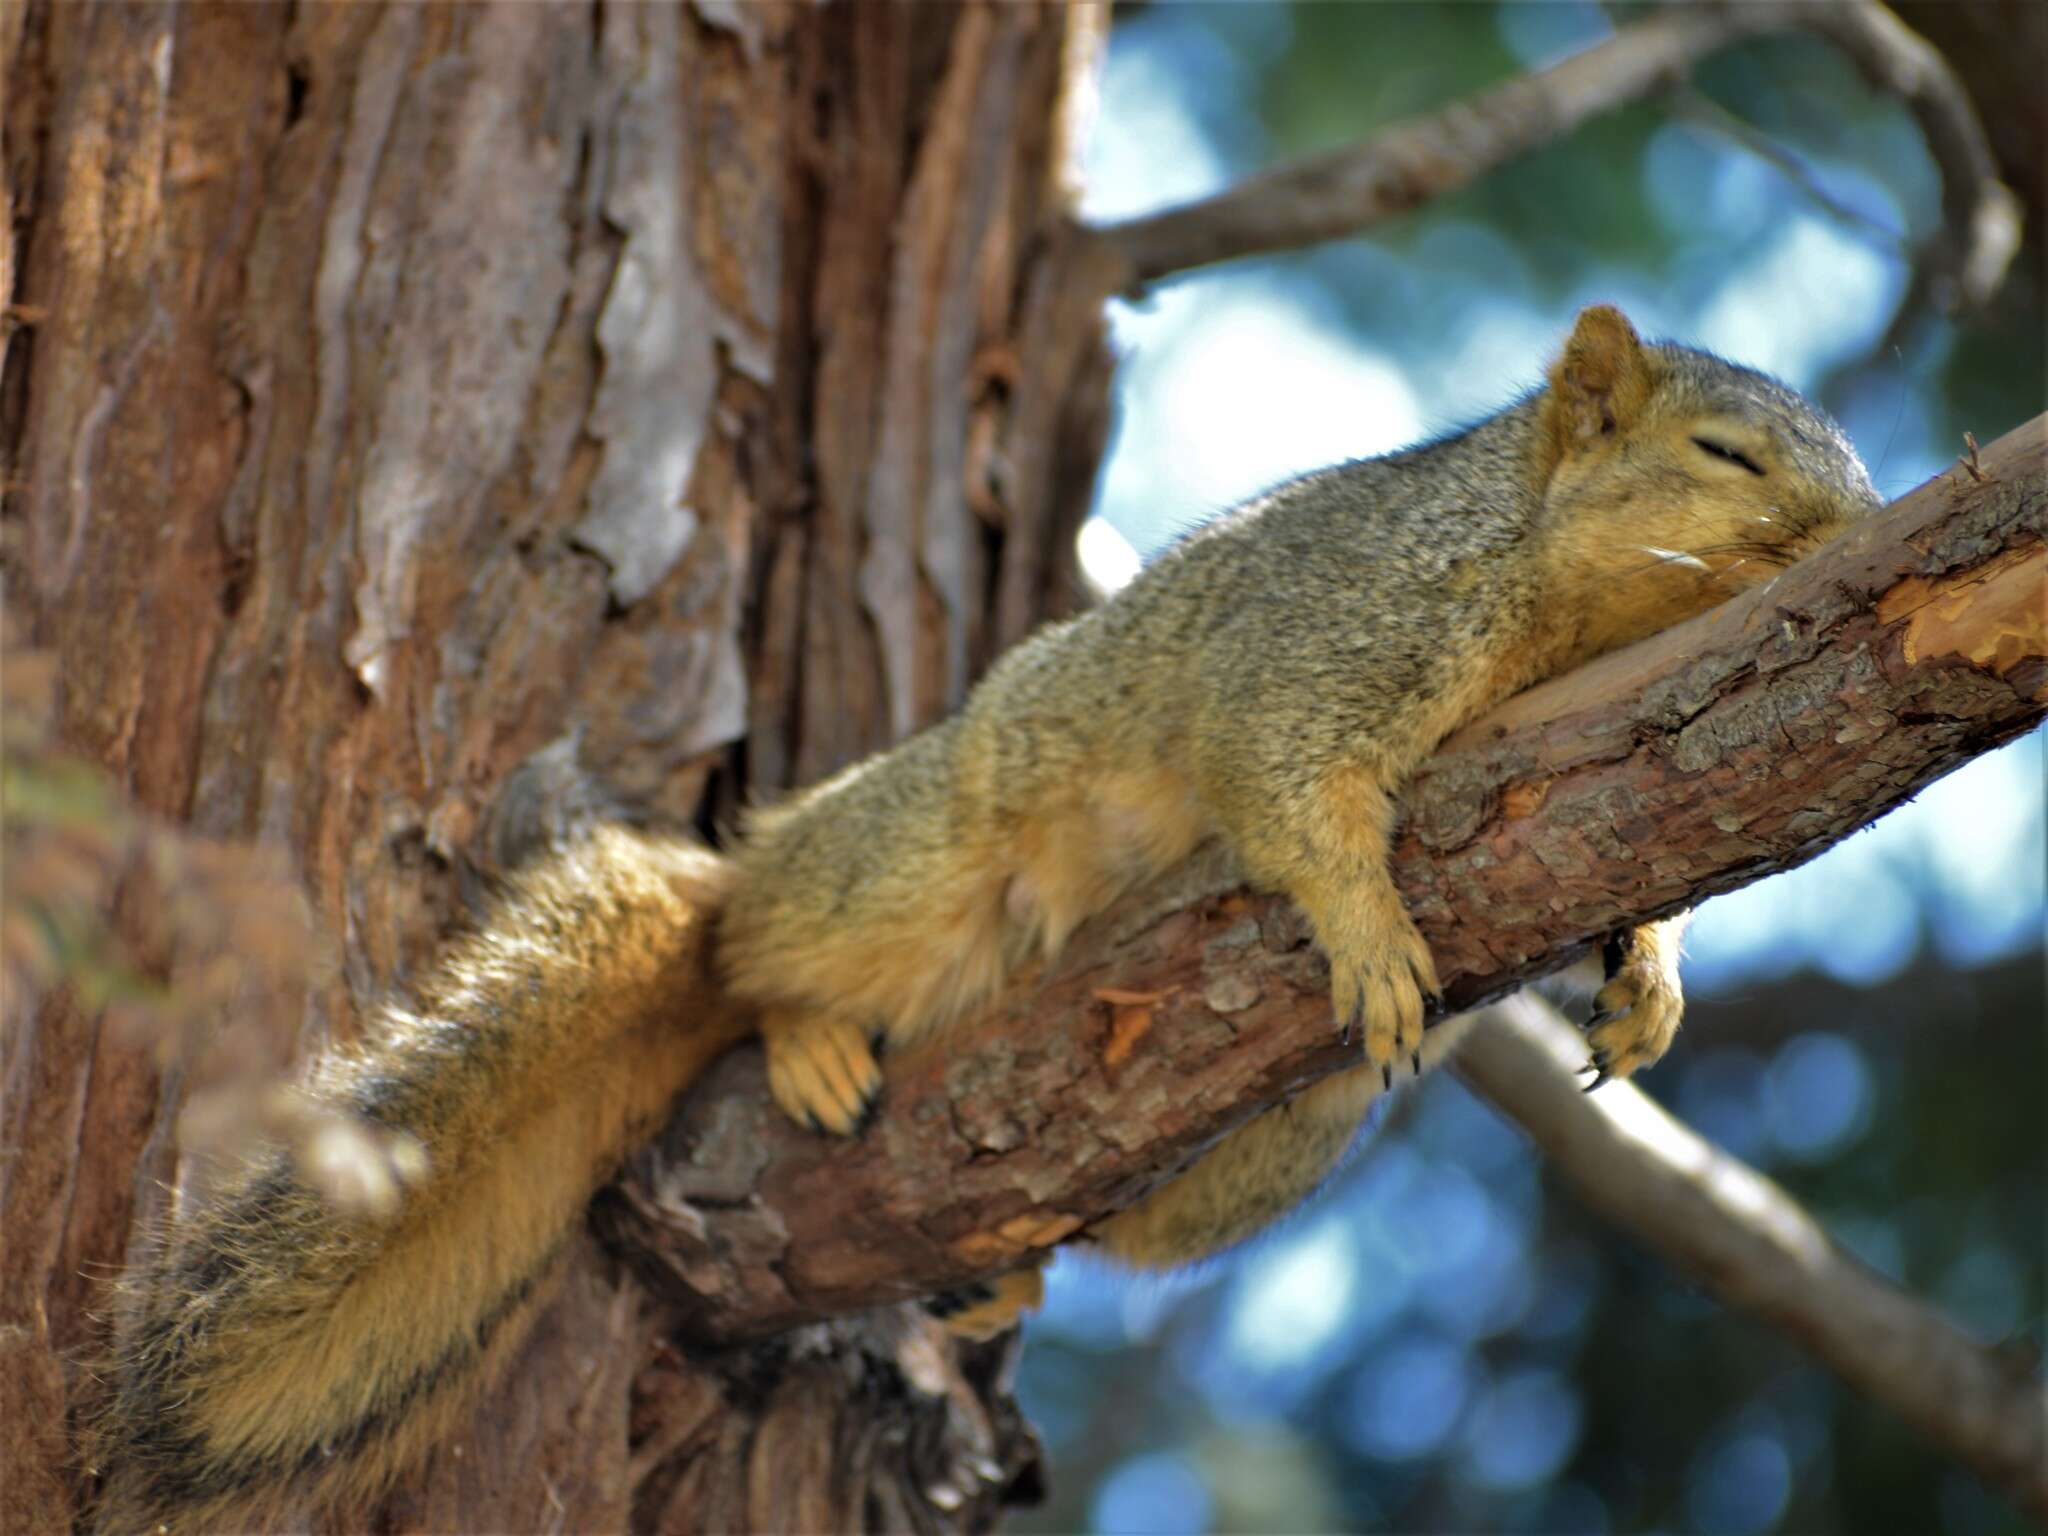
{"x": 822, "y": 1072}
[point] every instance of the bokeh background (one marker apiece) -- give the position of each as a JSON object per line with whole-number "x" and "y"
{"x": 1444, "y": 1341}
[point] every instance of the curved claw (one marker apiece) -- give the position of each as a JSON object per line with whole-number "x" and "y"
{"x": 1416, "y": 1058}
{"x": 1387, "y": 1078}
{"x": 950, "y": 1303}
{"x": 1607, "y": 1016}
{"x": 822, "y": 1072}
{"x": 982, "y": 1309}
{"x": 1604, "y": 1077}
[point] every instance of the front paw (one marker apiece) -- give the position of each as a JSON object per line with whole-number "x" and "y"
{"x": 1383, "y": 983}
{"x": 985, "y": 1308}
{"x": 1636, "y": 1014}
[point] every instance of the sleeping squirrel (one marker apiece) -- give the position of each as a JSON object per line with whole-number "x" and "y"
{"x": 1270, "y": 682}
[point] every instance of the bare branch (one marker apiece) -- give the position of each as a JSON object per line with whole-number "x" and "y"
{"x": 1980, "y": 217}
{"x": 1412, "y": 162}
{"x": 1721, "y": 1221}
{"x": 1738, "y": 744}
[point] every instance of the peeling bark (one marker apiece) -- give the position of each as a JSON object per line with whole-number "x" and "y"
{"x": 391, "y": 393}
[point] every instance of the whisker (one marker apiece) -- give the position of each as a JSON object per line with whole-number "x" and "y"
{"x": 1666, "y": 558}
{"x": 1651, "y": 565}
{"x": 1744, "y": 551}
{"x": 1675, "y": 557}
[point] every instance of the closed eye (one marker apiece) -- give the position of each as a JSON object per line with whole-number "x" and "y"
{"x": 1732, "y": 455}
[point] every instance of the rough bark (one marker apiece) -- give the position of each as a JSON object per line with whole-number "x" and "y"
{"x": 1735, "y": 745}
{"x": 391, "y": 392}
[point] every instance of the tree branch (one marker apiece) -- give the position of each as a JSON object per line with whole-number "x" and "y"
{"x": 1333, "y": 195}
{"x": 1980, "y": 216}
{"x": 1735, "y": 745}
{"x": 1720, "y": 1220}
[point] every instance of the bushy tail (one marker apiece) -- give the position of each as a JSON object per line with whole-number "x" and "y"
{"x": 277, "y": 1353}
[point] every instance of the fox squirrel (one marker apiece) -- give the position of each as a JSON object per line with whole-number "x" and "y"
{"x": 1271, "y": 681}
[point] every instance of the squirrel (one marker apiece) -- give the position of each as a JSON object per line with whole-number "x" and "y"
{"x": 1270, "y": 681}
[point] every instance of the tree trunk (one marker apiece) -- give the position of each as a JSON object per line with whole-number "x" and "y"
{"x": 391, "y": 393}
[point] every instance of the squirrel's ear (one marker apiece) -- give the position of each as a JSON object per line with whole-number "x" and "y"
{"x": 1601, "y": 383}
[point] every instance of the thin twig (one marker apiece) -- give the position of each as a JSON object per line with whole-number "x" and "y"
{"x": 1694, "y": 106}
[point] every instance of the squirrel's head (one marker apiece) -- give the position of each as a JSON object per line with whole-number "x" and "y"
{"x": 1676, "y": 479}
